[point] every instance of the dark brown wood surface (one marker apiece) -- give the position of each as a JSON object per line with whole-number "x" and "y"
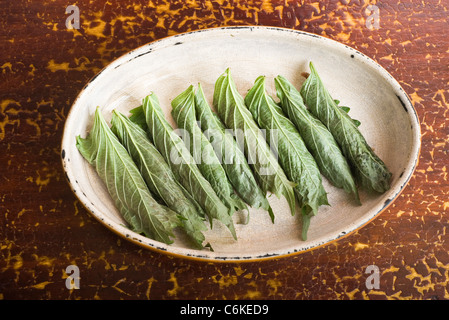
{"x": 44, "y": 228}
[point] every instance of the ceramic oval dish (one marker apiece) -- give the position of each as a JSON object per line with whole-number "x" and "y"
{"x": 168, "y": 66}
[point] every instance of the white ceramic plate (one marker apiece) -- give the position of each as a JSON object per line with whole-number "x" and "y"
{"x": 168, "y": 66}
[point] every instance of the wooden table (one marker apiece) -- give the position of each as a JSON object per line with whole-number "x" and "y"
{"x": 45, "y": 229}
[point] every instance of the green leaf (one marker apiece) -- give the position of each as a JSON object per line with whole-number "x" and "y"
{"x": 158, "y": 176}
{"x": 369, "y": 170}
{"x": 202, "y": 151}
{"x": 138, "y": 117}
{"x": 234, "y": 114}
{"x": 125, "y": 184}
{"x": 182, "y": 164}
{"x": 230, "y": 154}
{"x": 297, "y": 162}
{"x": 347, "y": 109}
{"x": 317, "y": 137}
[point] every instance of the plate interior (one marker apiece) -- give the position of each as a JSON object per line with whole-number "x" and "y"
{"x": 167, "y": 67}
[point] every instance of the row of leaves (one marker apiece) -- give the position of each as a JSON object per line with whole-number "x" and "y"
{"x": 159, "y": 183}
